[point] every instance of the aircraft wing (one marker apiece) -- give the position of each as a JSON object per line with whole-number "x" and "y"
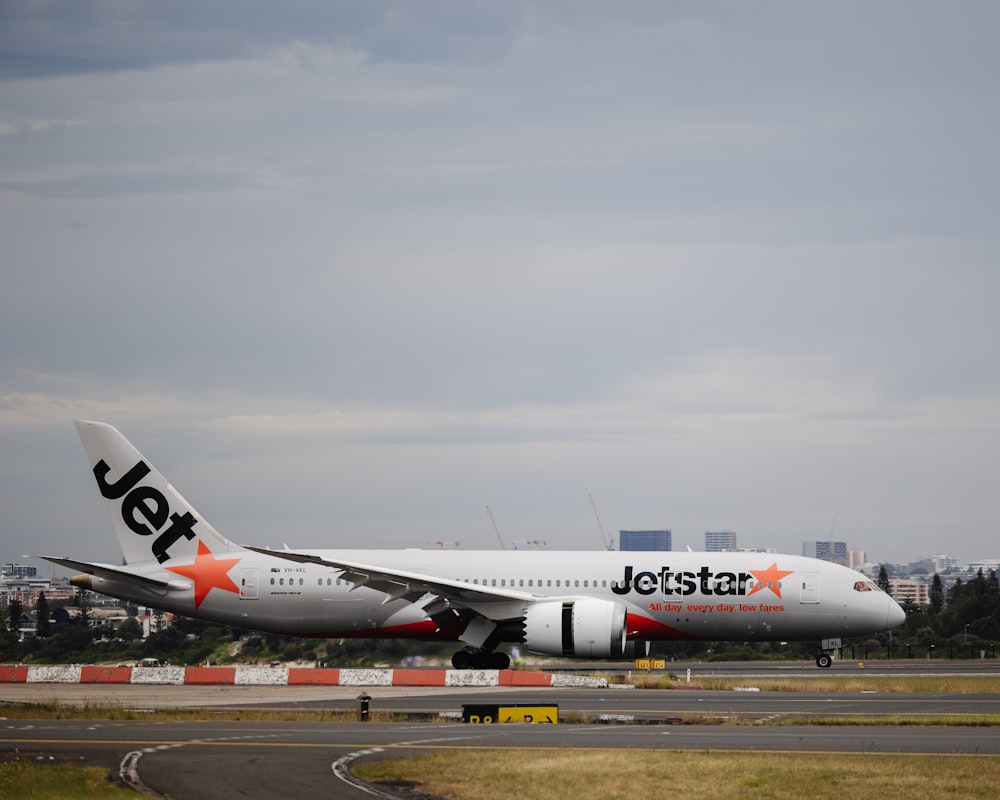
{"x": 409, "y": 586}
{"x": 107, "y": 572}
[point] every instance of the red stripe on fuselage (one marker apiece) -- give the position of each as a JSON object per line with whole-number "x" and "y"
{"x": 640, "y": 627}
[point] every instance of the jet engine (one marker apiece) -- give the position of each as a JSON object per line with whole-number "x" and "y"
{"x": 583, "y": 627}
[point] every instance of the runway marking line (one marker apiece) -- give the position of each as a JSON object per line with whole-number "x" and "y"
{"x": 341, "y": 768}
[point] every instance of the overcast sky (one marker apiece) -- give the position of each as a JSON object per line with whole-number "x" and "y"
{"x": 350, "y": 272}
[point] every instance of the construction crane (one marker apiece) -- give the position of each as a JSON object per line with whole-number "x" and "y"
{"x": 597, "y": 516}
{"x": 495, "y": 527}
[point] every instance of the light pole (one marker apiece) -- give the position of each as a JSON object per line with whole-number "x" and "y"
{"x": 966, "y": 634}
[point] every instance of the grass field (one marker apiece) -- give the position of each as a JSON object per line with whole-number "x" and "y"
{"x": 631, "y": 774}
{"x": 33, "y": 780}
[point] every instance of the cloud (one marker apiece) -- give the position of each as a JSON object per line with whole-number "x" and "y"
{"x": 717, "y": 265}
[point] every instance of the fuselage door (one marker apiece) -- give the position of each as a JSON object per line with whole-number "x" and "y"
{"x": 248, "y": 583}
{"x": 809, "y": 582}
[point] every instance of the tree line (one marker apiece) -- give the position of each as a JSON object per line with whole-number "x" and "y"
{"x": 967, "y": 612}
{"x": 184, "y": 642}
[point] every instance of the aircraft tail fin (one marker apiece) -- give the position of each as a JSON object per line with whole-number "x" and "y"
{"x": 150, "y": 517}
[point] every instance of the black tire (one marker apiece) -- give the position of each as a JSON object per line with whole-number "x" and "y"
{"x": 824, "y": 661}
{"x": 499, "y": 661}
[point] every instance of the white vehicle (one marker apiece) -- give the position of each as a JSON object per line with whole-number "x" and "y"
{"x": 596, "y": 604}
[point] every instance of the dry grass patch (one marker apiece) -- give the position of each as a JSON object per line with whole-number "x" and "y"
{"x": 24, "y": 779}
{"x": 890, "y": 720}
{"x": 627, "y": 774}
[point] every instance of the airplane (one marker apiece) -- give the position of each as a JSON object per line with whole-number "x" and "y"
{"x": 579, "y": 604}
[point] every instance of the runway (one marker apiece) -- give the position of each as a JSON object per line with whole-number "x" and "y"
{"x": 222, "y": 759}
{"x": 266, "y": 759}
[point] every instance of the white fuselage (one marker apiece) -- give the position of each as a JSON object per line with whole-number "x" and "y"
{"x": 668, "y": 595}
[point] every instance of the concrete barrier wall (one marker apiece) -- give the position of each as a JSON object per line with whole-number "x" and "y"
{"x": 261, "y": 676}
{"x": 366, "y": 677}
{"x": 105, "y": 674}
{"x": 578, "y": 681}
{"x": 175, "y": 676}
{"x": 288, "y": 676}
{"x": 472, "y": 677}
{"x": 304, "y": 676}
{"x": 55, "y": 674}
{"x": 209, "y": 676}
{"x": 15, "y": 674}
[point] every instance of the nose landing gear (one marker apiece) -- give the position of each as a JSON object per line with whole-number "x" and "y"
{"x": 828, "y": 646}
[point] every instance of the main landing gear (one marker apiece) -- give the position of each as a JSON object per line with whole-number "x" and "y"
{"x": 824, "y": 660}
{"x": 471, "y": 658}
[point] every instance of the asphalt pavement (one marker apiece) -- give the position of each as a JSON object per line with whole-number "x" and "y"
{"x": 248, "y": 759}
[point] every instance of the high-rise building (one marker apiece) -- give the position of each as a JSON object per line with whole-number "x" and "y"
{"x": 826, "y": 550}
{"x": 717, "y": 541}
{"x": 856, "y": 558}
{"x": 645, "y": 540}
{"x": 909, "y": 591}
{"x": 944, "y": 563}
{"x": 19, "y": 571}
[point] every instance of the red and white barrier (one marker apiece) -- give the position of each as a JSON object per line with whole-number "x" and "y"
{"x": 289, "y": 676}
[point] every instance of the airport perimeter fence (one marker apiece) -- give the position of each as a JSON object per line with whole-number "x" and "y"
{"x": 922, "y": 650}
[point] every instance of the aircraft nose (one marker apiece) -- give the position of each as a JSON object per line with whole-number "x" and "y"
{"x": 895, "y": 616}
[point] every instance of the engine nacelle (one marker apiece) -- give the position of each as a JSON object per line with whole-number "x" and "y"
{"x": 584, "y": 627}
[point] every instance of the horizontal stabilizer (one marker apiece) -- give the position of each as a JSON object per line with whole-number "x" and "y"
{"x": 109, "y": 573}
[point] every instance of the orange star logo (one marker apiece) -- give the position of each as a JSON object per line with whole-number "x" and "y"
{"x": 769, "y": 579}
{"x": 208, "y": 572}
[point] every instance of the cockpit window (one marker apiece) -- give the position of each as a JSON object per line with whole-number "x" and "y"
{"x": 866, "y": 586}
